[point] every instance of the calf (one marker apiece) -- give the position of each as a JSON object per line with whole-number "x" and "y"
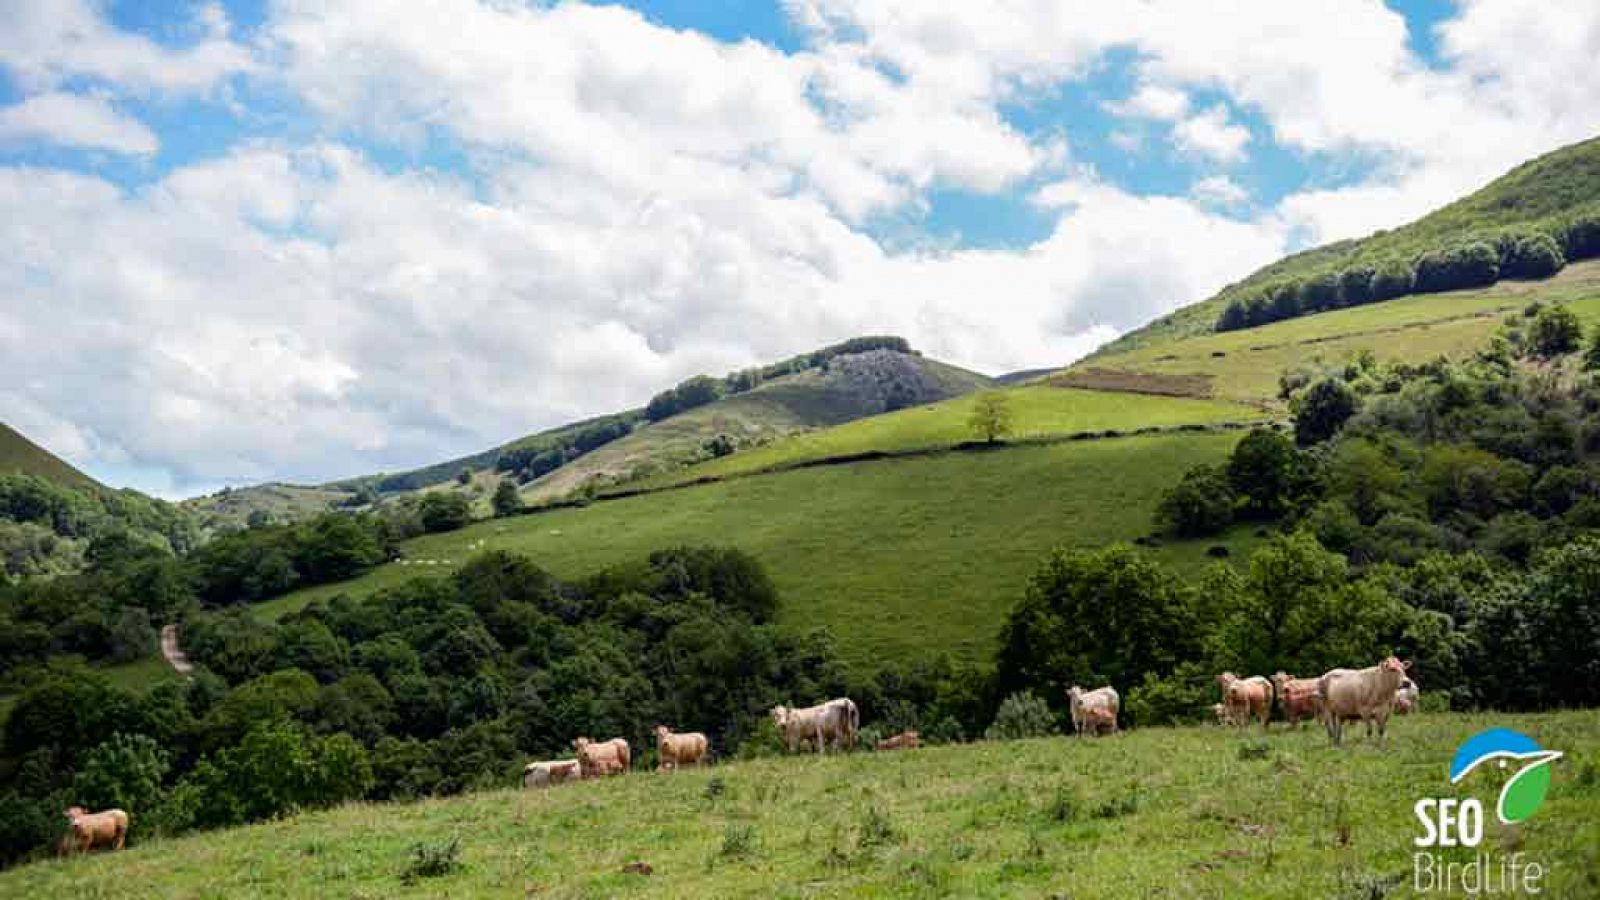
{"x": 673, "y": 750}
{"x": 905, "y": 740}
{"x": 87, "y": 830}
{"x": 545, "y": 774}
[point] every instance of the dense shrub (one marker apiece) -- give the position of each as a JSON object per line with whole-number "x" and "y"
{"x": 1199, "y": 505}
{"x": 1021, "y": 715}
{"x": 1321, "y": 410}
{"x": 1392, "y": 279}
{"x": 1555, "y": 331}
{"x": 1529, "y": 256}
{"x": 1470, "y": 265}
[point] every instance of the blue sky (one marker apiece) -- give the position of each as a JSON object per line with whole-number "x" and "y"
{"x": 300, "y": 241}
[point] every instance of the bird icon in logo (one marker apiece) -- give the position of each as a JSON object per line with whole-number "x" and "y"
{"x": 1522, "y": 795}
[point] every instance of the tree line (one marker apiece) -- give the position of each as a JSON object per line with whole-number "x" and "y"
{"x": 1468, "y": 263}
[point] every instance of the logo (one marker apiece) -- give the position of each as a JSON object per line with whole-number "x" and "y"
{"x": 1453, "y": 822}
{"x": 1524, "y": 793}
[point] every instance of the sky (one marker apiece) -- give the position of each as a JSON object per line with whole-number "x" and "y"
{"x": 301, "y": 240}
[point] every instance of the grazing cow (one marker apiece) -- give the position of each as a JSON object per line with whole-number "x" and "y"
{"x": 1094, "y": 711}
{"x": 1365, "y": 694}
{"x": 836, "y": 721}
{"x": 1220, "y": 711}
{"x": 1246, "y": 698}
{"x": 596, "y": 758}
{"x": 673, "y": 750}
{"x": 1405, "y": 699}
{"x": 544, "y": 774}
{"x": 905, "y": 740}
{"x": 1298, "y": 697}
{"x": 87, "y": 830}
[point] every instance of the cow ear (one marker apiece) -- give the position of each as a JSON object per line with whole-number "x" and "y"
{"x": 1407, "y": 665}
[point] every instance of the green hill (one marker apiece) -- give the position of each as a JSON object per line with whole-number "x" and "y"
{"x": 853, "y": 387}
{"x": 1545, "y": 195}
{"x": 1196, "y": 812}
{"x": 18, "y": 454}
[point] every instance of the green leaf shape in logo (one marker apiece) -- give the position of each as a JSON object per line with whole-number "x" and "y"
{"x": 1523, "y": 794}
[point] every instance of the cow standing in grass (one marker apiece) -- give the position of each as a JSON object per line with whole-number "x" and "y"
{"x": 674, "y": 750}
{"x": 1246, "y": 698}
{"x": 1299, "y": 698}
{"x": 597, "y": 758}
{"x": 1095, "y": 711}
{"x": 1365, "y": 694}
{"x": 835, "y": 721}
{"x": 87, "y": 830}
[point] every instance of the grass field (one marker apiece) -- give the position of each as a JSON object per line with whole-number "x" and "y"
{"x": 1189, "y": 812}
{"x": 1037, "y": 411}
{"x": 1245, "y": 365}
{"x": 898, "y": 557}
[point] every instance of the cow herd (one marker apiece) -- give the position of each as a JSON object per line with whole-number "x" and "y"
{"x": 1370, "y": 695}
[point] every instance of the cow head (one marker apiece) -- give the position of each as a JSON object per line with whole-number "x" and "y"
{"x": 1393, "y": 664}
{"x": 581, "y": 744}
{"x": 780, "y": 716}
{"x": 661, "y": 732}
{"x": 1280, "y": 678}
{"x": 1226, "y": 678}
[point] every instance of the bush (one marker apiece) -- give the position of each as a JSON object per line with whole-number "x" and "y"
{"x": 432, "y": 860}
{"x": 444, "y": 511}
{"x": 125, "y": 772}
{"x": 1320, "y": 293}
{"x": 1199, "y": 505}
{"x": 1021, "y": 715}
{"x": 1322, "y": 410}
{"x": 1391, "y": 280}
{"x": 1180, "y": 698}
{"x": 1581, "y": 238}
{"x": 1234, "y": 317}
{"x": 1530, "y": 256}
{"x": 1355, "y": 285}
{"x": 1556, "y": 331}
{"x": 507, "y": 502}
{"x": 1453, "y": 268}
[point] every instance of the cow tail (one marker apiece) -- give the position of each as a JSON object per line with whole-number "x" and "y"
{"x": 855, "y": 723}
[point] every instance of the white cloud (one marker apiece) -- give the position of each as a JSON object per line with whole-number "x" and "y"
{"x": 1153, "y": 101}
{"x": 76, "y": 120}
{"x": 46, "y": 42}
{"x": 1210, "y": 133}
{"x": 1218, "y": 190}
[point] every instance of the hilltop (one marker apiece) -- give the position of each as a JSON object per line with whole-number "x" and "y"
{"x": 856, "y": 379}
{"x": 1215, "y": 812}
{"x": 18, "y": 454}
{"x": 1545, "y": 196}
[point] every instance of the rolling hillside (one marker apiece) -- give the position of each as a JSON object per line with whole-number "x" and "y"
{"x": 18, "y": 454}
{"x": 852, "y": 388}
{"x": 1538, "y": 195}
{"x": 1218, "y": 813}
{"x": 897, "y": 556}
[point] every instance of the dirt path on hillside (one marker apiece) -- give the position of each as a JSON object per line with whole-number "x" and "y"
{"x": 174, "y": 654}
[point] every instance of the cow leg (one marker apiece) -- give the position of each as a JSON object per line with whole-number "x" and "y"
{"x": 122, "y": 838}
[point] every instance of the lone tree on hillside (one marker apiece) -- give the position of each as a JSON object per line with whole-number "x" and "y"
{"x": 991, "y": 417}
{"x": 507, "y": 502}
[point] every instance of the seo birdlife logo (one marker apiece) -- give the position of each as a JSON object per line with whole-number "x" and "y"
{"x": 1452, "y": 822}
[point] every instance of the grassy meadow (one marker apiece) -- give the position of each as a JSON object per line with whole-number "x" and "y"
{"x": 1245, "y": 365}
{"x": 896, "y": 556}
{"x": 1038, "y": 411}
{"x": 1187, "y": 812}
